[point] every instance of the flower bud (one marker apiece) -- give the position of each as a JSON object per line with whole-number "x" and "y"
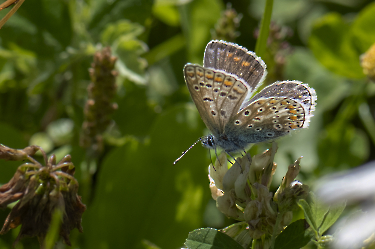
{"x": 221, "y": 168}
{"x": 368, "y": 62}
{"x": 227, "y": 205}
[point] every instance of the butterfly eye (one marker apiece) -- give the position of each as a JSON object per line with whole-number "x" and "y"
{"x": 250, "y": 126}
{"x": 277, "y": 126}
{"x": 258, "y": 129}
{"x": 213, "y": 113}
{"x": 237, "y": 122}
{"x": 247, "y": 113}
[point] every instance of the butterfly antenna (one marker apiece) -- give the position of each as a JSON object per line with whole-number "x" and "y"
{"x": 183, "y": 153}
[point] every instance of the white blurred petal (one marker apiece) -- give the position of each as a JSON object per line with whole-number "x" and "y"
{"x": 355, "y": 230}
{"x": 357, "y": 184}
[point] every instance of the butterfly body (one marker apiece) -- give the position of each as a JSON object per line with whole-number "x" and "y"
{"x": 222, "y": 91}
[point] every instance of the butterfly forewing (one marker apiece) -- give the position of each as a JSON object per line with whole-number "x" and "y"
{"x": 266, "y": 119}
{"x": 217, "y": 95}
{"x": 202, "y": 96}
{"x": 232, "y": 95}
{"x": 235, "y": 60}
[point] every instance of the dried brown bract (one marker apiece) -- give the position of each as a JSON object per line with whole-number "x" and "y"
{"x": 40, "y": 190}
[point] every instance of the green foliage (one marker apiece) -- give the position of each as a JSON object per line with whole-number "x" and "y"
{"x": 293, "y": 237}
{"x": 319, "y": 216}
{"x": 210, "y": 238}
{"x": 135, "y": 196}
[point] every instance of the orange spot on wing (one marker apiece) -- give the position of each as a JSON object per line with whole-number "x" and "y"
{"x": 293, "y": 117}
{"x": 245, "y": 63}
{"x": 228, "y": 83}
{"x": 218, "y": 79}
{"x": 236, "y": 59}
{"x": 293, "y": 111}
{"x": 209, "y": 76}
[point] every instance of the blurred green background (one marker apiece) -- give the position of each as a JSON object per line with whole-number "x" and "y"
{"x": 135, "y": 196}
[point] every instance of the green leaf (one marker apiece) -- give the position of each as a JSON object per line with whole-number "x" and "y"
{"x": 293, "y": 236}
{"x": 111, "y": 11}
{"x": 331, "y": 45}
{"x": 122, "y": 28}
{"x": 318, "y": 209}
{"x": 362, "y": 30}
{"x": 54, "y": 229}
{"x": 135, "y": 96}
{"x": 167, "y": 13}
{"x": 206, "y": 238}
{"x": 319, "y": 215}
{"x": 165, "y": 49}
{"x": 196, "y": 24}
{"x": 129, "y": 63}
{"x": 139, "y": 188}
{"x": 309, "y": 214}
{"x": 331, "y": 217}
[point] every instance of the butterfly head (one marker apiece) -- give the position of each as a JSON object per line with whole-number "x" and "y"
{"x": 208, "y": 142}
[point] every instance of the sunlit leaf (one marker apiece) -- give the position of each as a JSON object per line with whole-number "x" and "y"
{"x": 209, "y": 238}
{"x": 293, "y": 236}
{"x": 331, "y": 45}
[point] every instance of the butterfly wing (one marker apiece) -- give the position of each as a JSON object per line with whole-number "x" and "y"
{"x": 273, "y": 112}
{"x": 265, "y": 119}
{"x": 216, "y": 94}
{"x": 294, "y": 90}
{"x": 236, "y": 60}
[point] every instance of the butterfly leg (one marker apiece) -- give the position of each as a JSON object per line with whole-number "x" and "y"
{"x": 209, "y": 153}
{"x": 248, "y": 156}
{"x": 234, "y": 160}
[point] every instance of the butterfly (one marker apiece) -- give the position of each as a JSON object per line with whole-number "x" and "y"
{"x": 223, "y": 92}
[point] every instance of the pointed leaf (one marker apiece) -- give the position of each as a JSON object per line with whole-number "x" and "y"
{"x": 331, "y": 217}
{"x": 206, "y": 238}
{"x": 309, "y": 216}
{"x": 293, "y": 237}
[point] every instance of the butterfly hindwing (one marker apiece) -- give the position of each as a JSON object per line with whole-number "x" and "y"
{"x": 266, "y": 119}
{"x": 235, "y": 60}
{"x": 295, "y": 90}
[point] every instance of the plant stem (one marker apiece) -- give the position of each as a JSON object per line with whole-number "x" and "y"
{"x": 260, "y": 47}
